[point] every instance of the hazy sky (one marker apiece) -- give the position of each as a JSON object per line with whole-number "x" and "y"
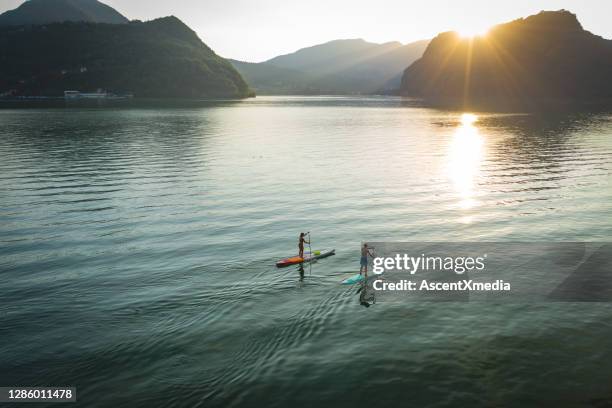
{"x": 255, "y": 30}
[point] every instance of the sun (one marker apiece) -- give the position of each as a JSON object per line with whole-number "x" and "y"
{"x": 473, "y": 31}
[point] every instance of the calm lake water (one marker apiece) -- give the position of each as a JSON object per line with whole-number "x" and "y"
{"x": 137, "y": 251}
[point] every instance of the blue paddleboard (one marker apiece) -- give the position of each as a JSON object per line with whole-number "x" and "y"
{"x": 353, "y": 280}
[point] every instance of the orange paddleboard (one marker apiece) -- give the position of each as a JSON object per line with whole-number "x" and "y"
{"x": 307, "y": 257}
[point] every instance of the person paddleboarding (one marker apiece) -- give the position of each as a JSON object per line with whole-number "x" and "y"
{"x": 365, "y": 252}
{"x": 302, "y": 241}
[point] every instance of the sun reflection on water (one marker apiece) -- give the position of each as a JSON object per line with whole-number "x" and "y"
{"x": 465, "y": 156}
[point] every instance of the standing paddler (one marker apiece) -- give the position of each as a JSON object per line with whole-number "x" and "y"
{"x": 302, "y": 241}
{"x": 363, "y": 262}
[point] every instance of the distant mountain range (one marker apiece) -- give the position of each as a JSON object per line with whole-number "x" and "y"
{"x": 160, "y": 58}
{"x": 55, "y": 11}
{"x": 548, "y": 56}
{"x": 48, "y": 46}
{"x": 337, "y": 67}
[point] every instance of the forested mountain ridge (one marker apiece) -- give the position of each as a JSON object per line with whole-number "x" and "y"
{"x": 544, "y": 56}
{"x": 34, "y": 12}
{"x": 158, "y": 58}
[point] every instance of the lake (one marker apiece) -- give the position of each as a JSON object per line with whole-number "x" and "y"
{"x": 137, "y": 251}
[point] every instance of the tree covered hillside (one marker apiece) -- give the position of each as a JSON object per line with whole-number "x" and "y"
{"x": 544, "y": 56}
{"x": 34, "y": 12}
{"x": 159, "y": 58}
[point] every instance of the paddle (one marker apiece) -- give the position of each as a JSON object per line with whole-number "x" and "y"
{"x": 311, "y": 254}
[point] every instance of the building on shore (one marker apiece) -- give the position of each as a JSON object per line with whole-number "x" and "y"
{"x": 99, "y": 94}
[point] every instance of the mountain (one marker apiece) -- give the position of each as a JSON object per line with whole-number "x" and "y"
{"x": 276, "y": 80}
{"x": 337, "y": 67}
{"x": 57, "y": 11}
{"x": 159, "y": 58}
{"x": 548, "y": 56}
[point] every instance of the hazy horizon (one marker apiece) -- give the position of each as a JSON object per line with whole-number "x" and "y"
{"x": 246, "y": 31}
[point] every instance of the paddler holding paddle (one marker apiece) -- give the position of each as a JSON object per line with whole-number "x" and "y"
{"x": 301, "y": 243}
{"x": 365, "y": 252}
